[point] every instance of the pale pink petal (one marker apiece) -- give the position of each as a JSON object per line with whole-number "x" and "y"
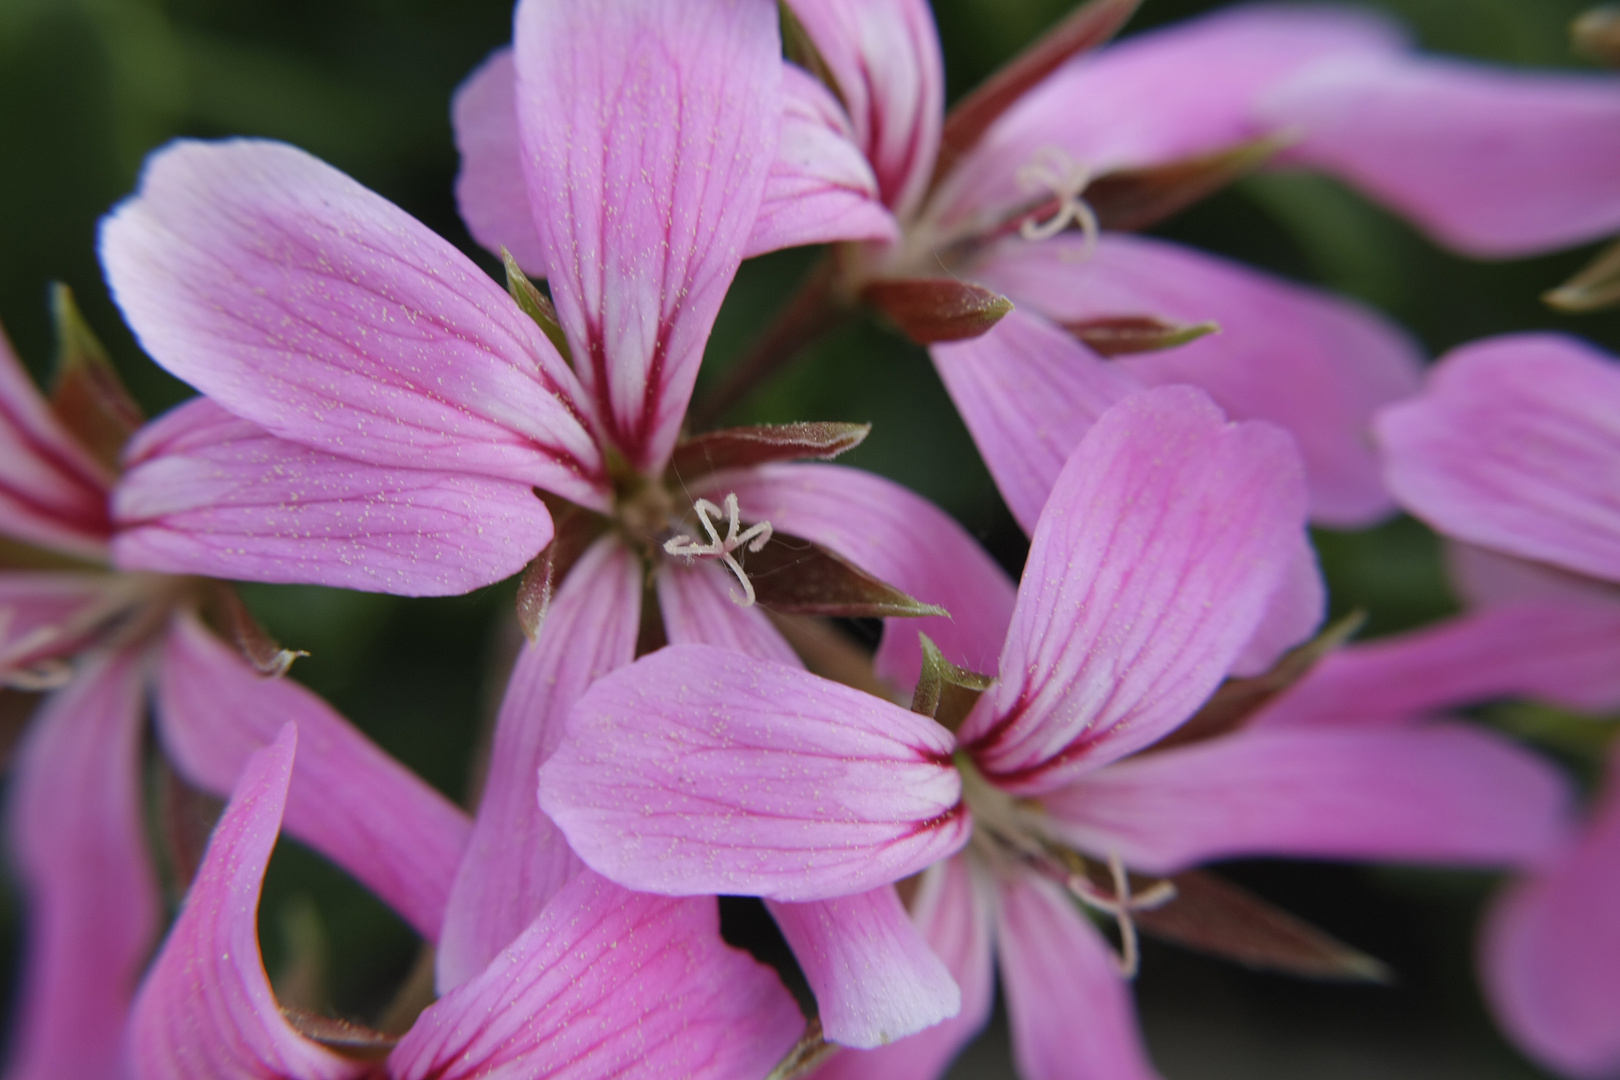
{"x": 875, "y": 978}
{"x": 491, "y": 193}
{"x": 884, "y": 57}
{"x": 1447, "y": 793}
{"x": 516, "y": 859}
{"x": 1492, "y": 161}
{"x": 303, "y": 302}
{"x": 1165, "y": 540}
{"x": 647, "y": 134}
{"x": 1295, "y": 611}
{"x": 1484, "y": 578}
{"x": 48, "y": 614}
{"x": 80, "y": 852}
{"x": 898, "y": 537}
{"x": 52, "y": 492}
{"x": 1071, "y": 1011}
{"x": 699, "y": 771}
{"x": 1550, "y": 960}
{"x": 206, "y": 493}
{"x": 1515, "y": 446}
{"x": 820, "y": 187}
{"x": 1028, "y": 392}
{"x": 206, "y": 1009}
{"x": 1318, "y": 365}
{"x": 608, "y": 984}
{"x": 349, "y": 800}
{"x": 698, "y": 608}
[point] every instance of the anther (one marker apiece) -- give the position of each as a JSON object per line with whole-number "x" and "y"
{"x": 1052, "y": 171}
{"x": 755, "y": 537}
{"x": 1120, "y": 905}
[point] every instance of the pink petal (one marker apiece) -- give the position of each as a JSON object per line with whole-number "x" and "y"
{"x": 49, "y": 614}
{"x": 1492, "y": 161}
{"x": 1516, "y": 446}
{"x": 698, "y": 771}
{"x": 1071, "y": 1012}
{"x": 316, "y": 309}
{"x": 1295, "y": 611}
{"x": 1550, "y": 959}
{"x": 349, "y": 800}
{"x": 898, "y": 537}
{"x": 884, "y": 56}
{"x": 52, "y": 492}
{"x": 491, "y": 193}
{"x": 876, "y": 980}
{"x": 1317, "y": 365}
{"x": 1165, "y": 540}
{"x": 605, "y": 983}
{"x": 1484, "y": 578}
{"x": 517, "y": 860}
{"x": 206, "y": 1009}
{"x": 698, "y": 609}
{"x": 1446, "y": 793}
{"x": 80, "y": 851}
{"x": 647, "y": 134}
{"x": 206, "y": 493}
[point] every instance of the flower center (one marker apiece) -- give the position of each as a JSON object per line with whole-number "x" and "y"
{"x": 721, "y": 547}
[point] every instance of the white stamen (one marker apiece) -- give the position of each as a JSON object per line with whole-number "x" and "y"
{"x": 755, "y": 536}
{"x": 1120, "y": 905}
{"x": 1052, "y": 171}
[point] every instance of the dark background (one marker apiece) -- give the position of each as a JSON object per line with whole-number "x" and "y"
{"x": 89, "y": 87}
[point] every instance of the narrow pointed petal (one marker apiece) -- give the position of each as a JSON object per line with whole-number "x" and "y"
{"x": 80, "y": 852}
{"x": 1071, "y": 1011}
{"x": 48, "y": 614}
{"x": 349, "y": 800}
{"x": 1550, "y": 957}
{"x": 207, "y": 493}
{"x": 303, "y": 302}
{"x": 897, "y": 537}
{"x": 699, "y": 609}
{"x": 1165, "y": 540}
{"x": 647, "y": 132}
{"x": 875, "y": 978}
{"x": 1446, "y": 793}
{"x": 1491, "y": 161}
{"x": 608, "y": 984}
{"x": 699, "y": 771}
{"x": 491, "y": 193}
{"x": 516, "y": 859}
{"x": 1317, "y": 365}
{"x": 934, "y": 310}
{"x": 763, "y": 444}
{"x": 1514, "y": 446}
{"x": 206, "y": 1009}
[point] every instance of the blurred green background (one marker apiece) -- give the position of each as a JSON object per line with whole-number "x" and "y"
{"x": 89, "y": 87}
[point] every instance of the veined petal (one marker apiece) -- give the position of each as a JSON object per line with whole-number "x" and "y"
{"x": 491, "y": 192}
{"x": 1166, "y": 539}
{"x": 349, "y": 800}
{"x": 884, "y": 57}
{"x": 1315, "y": 364}
{"x": 647, "y": 134}
{"x": 46, "y": 614}
{"x": 604, "y": 984}
{"x": 698, "y": 771}
{"x": 1515, "y": 445}
{"x": 1071, "y": 1012}
{"x": 875, "y": 978}
{"x": 303, "y": 302}
{"x": 1446, "y": 793}
{"x": 80, "y": 850}
{"x": 1492, "y": 161}
{"x": 206, "y": 1009}
{"x": 207, "y": 493}
{"x": 698, "y": 609}
{"x": 516, "y": 859}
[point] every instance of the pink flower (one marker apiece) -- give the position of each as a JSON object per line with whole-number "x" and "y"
{"x": 1152, "y": 569}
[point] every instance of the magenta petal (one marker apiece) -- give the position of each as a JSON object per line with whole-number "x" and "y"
{"x": 517, "y": 860}
{"x": 1315, "y": 364}
{"x": 491, "y": 193}
{"x": 875, "y": 978}
{"x": 1071, "y": 1012}
{"x": 206, "y": 493}
{"x": 1446, "y": 793}
{"x": 699, "y": 771}
{"x": 608, "y": 984}
{"x": 1551, "y": 953}
{"x": 1494, "y": 162}
{"x": 1485, "y": 578}
{"x": 48, "y": 614}
{"x": 698, "y": 609}
{"x": 1163, "y": 544}
{"x": 303, "y": 302}
{"x": 1515, "y": 445}
{"x": 647, "y": 132}
{"x": 1295, "y": 611}
{"x": 80, "y": 851}
{"x": 349, "y": 800}
{"x": 206, "y": 1009}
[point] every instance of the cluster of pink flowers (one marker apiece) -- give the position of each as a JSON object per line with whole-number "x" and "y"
{"x": 1153, "y": 694}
